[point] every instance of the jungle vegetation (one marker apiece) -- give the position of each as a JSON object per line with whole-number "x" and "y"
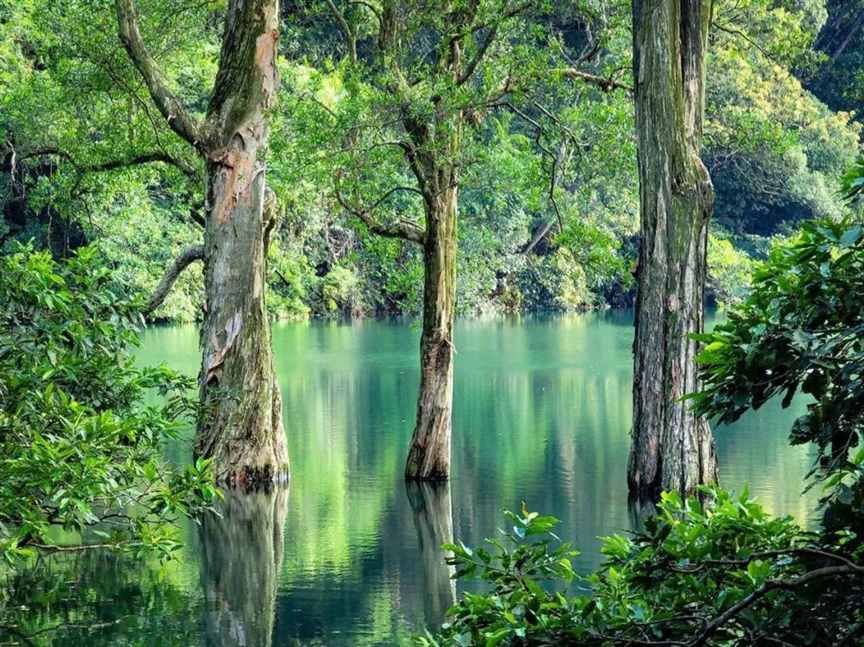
{"x": 231, "y": 162}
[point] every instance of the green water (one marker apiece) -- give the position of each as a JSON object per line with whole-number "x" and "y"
{"x": 347, "y": 555}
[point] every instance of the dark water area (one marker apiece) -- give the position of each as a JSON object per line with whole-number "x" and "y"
{"x": 347, "y": 554}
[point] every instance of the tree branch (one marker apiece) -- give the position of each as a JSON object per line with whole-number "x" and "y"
{"x": 490, "y": 37}
{"x": 557, "y": 163}
{"x": 767, "y": 587}
{"x": 370, "y": 7}
{"x": 112, "y": 165}
{"x": 478, "y": 57}
{"x": 607, "y": 85}
{"x": 179, "y": 120}
{"x": 404, "y": 230}
{"x": 345, "y": 28}
{"x": 144, "y": 158}
{"x": 189, "y": 256}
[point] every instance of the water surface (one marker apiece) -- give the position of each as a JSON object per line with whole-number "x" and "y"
{"x": 348, "y": 555}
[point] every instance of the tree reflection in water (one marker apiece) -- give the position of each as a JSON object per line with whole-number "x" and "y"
{"x": 241, "y": 557}
{"x": 433, "y": 520}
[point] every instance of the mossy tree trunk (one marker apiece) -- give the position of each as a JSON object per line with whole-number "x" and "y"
{"x": 440, "y": 104}
{"x": 429, "y": 452}
{"x": 432, "y": 146}
{"x": 240, "y": 427}
{"x": 671, "y": 448}
{"x": 434, "y": 155}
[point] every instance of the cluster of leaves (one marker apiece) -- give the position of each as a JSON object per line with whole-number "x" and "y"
{"x": 774, "y": 150}
{"x": 720, "y": 573}
{"x": 80, "y": 451}
{"x": 800, "y": 329}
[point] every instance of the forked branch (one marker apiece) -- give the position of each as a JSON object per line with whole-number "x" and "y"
{"x": 403, "y": 229}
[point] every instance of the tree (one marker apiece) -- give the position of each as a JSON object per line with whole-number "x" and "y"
{"x": 672, "y": 448}
{"x": 240, "y": 426}
{"x": 478, "y": 56}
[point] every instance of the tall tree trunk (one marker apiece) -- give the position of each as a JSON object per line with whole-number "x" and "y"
{"x": 672, "y": 449}
{"x": 240, "y": 426}
{"x": 241, "y": 557}
{"x": 241, "y": 423}
{"x": 429, "y": 453}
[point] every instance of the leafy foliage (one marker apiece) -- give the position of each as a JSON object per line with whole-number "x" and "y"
{"x": 800, "y": 329}
{"x": 74, "y": 121}
{"x": 80, "y": 448}
{"x": 729, "y": 270}
{"x": 721, "y": 573}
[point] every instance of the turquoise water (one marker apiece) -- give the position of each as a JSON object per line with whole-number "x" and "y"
{"x": 347, "y": 555}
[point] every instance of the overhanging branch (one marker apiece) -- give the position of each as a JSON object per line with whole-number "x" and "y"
{"x": 115, "y": 164}
{"x": 189, "y": 256}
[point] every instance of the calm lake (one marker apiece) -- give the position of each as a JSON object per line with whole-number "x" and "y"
{"x": 347, "y": 555}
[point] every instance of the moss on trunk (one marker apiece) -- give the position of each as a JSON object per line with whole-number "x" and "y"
{"x": 672, "y": 449}
{"x": 429, "y": 453}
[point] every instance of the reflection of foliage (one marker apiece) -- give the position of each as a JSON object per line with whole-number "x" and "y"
{"x": 722, "y": 573}
{"x": 78, "y": 447}
{"x": 63, "y": 601}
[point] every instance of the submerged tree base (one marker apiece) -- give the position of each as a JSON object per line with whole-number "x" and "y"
{"x": 254, "y": 478}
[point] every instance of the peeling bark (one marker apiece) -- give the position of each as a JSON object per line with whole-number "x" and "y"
{"x": 671, "y": 448}
{"x": 240, "y": 427}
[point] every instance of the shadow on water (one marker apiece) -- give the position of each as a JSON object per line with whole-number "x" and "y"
{"x": 241, "y": 558}
{"x": 432, "y": 510}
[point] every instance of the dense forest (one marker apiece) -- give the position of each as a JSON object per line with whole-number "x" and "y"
{"x": 549, "y": 192}
{"x": 232, "y": 165}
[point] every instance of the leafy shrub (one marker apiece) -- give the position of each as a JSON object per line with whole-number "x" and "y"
{"x": 340, "y": 291}
{"x": 719, "y": 573}
{"x": 79, "y": 449}
{"x": 729, "y": 270}
{"x": 800, "y": 329}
